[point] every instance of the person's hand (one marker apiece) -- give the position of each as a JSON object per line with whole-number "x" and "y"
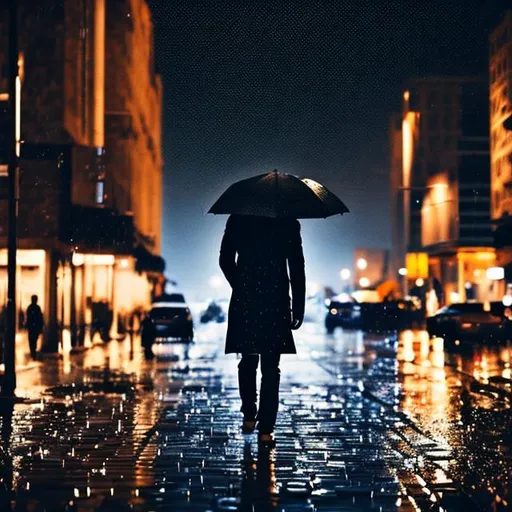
{"x": 297, "y": 321}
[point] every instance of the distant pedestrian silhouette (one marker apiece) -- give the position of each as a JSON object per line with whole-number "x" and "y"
{"x": 147, "y": 336}
{"x": 35, "y": 324}
{"x": 254, "y": 255}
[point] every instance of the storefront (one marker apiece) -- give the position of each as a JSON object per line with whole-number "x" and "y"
{"x": 31, "y": 277}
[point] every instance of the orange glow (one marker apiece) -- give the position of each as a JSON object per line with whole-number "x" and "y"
{"x": 417, "y": 265}
{"x": 407, "y": 345}
{"x": 437, "y": 220}
{"x": 18, "y": 116}
{"x": 409, "y": 128}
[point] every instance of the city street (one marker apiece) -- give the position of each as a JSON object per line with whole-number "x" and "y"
{"x": 366, "y": 423}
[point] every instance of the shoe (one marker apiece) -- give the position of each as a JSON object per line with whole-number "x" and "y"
{"x": 266, "y": 441}
{"x": 248, "y": 426}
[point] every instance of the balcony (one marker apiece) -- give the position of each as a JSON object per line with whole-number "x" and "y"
{"x": 99, "y": 230}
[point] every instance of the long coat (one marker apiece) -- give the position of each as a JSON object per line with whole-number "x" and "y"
{"x": 259, "y": 320}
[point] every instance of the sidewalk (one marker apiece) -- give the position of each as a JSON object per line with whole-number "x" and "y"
{"x": 106, "y": 429}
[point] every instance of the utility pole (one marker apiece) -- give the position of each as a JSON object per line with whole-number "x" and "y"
{"x": 9, "y": 381}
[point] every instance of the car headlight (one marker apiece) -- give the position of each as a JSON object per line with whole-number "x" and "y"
{"x": 334, "y": 311}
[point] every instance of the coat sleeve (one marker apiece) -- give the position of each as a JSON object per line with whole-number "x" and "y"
{"x": 297, "y": 271}
{"x": 227, "y": 258}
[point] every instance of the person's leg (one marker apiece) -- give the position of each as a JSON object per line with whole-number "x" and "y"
{"x": 269, "y": 394}
{"x": 247, "y": 385}
{"x": 32, "y": 341}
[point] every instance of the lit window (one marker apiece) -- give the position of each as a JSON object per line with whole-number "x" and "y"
{"x": 100, "y": 192}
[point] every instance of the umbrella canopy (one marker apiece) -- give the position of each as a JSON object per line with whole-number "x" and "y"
{"x": 279, "y": 195}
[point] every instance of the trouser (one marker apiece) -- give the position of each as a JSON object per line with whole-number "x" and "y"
{"x": 269, "y": 391}
{"x": 32, "y": 341}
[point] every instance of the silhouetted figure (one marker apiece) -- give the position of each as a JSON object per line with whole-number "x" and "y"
{"x": 147, "y": 336}
{"x": 254, "y": 255}
{"x": 35, "y": 324}
{"x": 258, "y": 491}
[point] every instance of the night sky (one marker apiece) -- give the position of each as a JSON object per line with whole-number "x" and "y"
{"x": 305, "y": 87}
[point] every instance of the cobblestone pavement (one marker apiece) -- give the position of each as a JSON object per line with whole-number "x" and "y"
{"x": 366, "y": 423}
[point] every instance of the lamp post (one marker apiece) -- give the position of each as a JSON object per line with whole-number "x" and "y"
{"x": 9, "y": 380}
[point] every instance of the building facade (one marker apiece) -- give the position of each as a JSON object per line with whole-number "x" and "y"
{"x": 446, "y": 185}
{"x": 500, "y": 97}
{"x": 398, "y": 251}
{"x": 88, "y": 244}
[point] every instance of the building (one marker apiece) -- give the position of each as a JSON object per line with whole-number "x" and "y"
{"x": 500, "y": 77}
{"x": 397, "y": 209}
{"x": 446, "y": 185}
{"x": 90, "y": 166}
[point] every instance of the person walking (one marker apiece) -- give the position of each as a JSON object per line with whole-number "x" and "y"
{"x": 147, "y": 336}
{"x": 35, "y": 324}
{"x": 254, "y": 255}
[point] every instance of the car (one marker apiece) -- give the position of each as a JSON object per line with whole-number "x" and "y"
{"x": 340, "y": 313}
{"x": 171, "y": 297}
{"x": 390, "y": 315}
{"x": 172, "y": 320}
{"x": 466, "y": 321}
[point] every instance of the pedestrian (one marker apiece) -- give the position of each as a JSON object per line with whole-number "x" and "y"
{"x": 254, "y": 255}
{"x": 147, "y": 336}
{"x": 35, "y": 324}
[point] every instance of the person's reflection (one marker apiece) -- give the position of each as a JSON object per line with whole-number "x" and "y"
{"x": 259, "y": 488}
{"x": 6, "y": 471}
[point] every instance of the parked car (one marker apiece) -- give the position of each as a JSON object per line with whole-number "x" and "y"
{"x": 390, "y": 315}
{"x": 172, "y": 320}
{"x": 341, "y": 314}
{"x": 466, "y": 321}
{"x": 171, "y": 297}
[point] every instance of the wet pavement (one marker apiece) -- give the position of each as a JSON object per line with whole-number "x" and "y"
{"x": 366, "y": 422}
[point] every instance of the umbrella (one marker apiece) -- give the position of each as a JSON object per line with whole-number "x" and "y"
{"x": 277, "y": 194}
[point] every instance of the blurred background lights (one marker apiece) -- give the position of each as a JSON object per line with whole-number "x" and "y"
{"x": 362, "y": 264}
{"x": 364, "y": 282}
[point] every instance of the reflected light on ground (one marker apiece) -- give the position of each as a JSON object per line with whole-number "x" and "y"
{"x": 406, "y": 346}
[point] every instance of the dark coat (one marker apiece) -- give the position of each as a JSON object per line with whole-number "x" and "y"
{"x": 259, "y": 320}
{"x": 147, "y": 332}
{"x": 34, "y": 321}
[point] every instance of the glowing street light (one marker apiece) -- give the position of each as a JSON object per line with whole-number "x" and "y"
{"x": 362, "y": 264}
{"x": 364, "y": 282}
{"x": 507, "y": 301}
{"x": 495, "y": 273}
{"x": 402, "y": 271}
{"x": 420, "y": 282}
{"x": 345, "y": 274}
{"x": 215, "y": 282}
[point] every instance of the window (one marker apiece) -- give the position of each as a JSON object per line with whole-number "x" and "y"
{"x": 470, "y": 232}
{"x": 100, "y": 192}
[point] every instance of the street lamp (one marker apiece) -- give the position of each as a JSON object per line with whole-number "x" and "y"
{"x": 364, "y": 282}
{"x": 215, "y": 282}
{"x": 362, "y": 264}
{"x": 402, "y": 271}
{"x": 345, "y": 274}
